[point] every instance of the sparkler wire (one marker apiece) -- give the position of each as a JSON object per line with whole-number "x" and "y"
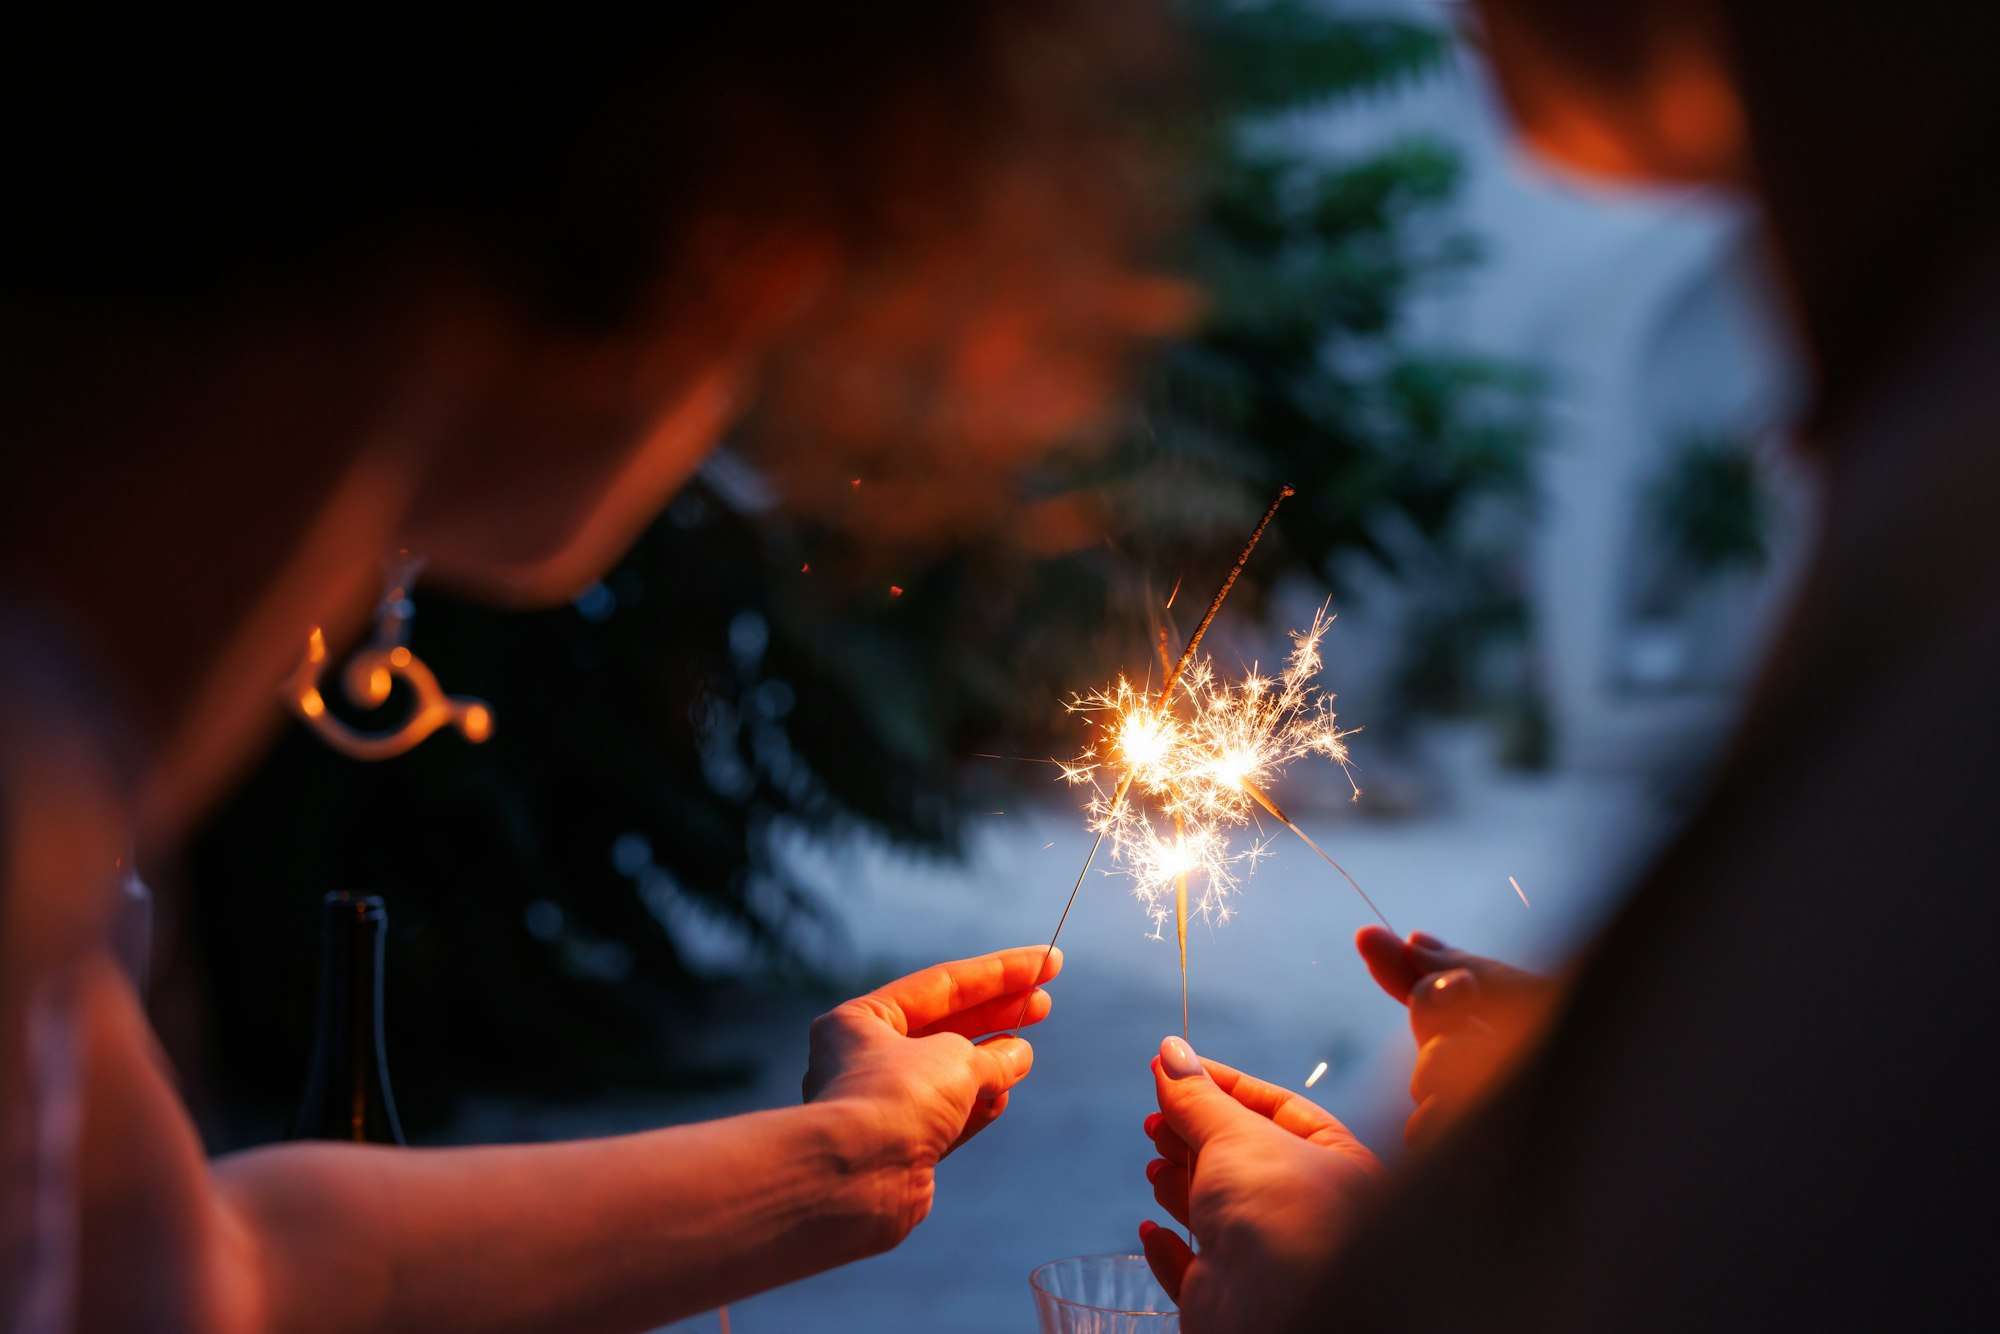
{"x": 1222, "y": 593}
{"x": 1258, "y": 795}
{"x": 1166, "y": 696}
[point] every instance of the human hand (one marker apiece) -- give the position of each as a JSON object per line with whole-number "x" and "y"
{"x": 1275, "y": 1179}
{"x": 1470, "y": 1017}
{"x": 906, "y": 1053}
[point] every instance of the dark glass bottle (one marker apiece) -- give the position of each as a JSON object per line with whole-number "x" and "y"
{"x": 347, "y": 1087}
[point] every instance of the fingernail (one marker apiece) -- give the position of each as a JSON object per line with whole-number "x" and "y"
{"x": 1153, "y": 1124}
{"x": 1425, "y": 941}
{"x": 1179, "y": 1059}
{"x": 1020, "y": 1056}
{"x": 1450, "y": 987}
{"x": 1154, "y": 1168}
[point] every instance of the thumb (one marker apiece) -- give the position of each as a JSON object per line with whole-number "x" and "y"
{"x": 1194, "y": 1105}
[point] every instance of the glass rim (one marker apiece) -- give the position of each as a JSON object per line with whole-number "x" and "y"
{"x": 1035, "y": 1282}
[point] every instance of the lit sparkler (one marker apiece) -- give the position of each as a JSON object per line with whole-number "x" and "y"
{"x": 1144, "y": 745}
{"x": 1201, "y": 758}
{"x": 1200, "y": 755}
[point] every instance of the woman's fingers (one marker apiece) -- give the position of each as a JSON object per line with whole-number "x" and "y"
{"x": 1400, "y": 967}
{"x": 1288, "y": 1110}
{"x": 1444, "y": 1003}
{"x": 999, "y": 1063}
{"x": 1168, "y": 1256}
{"x": 983, "y": 1115}
{"x": 994, "y": 1016}
{"x": 917, "y": 1002}
{"x": 1388, "y": 961}
{"x": 1397, "y": 965}
{"x": 1165, "y": 1142}
{"x": 1454, "y": 1066}
{"x": 1511, "y": 999}
{"x": 1170, "y": 1187}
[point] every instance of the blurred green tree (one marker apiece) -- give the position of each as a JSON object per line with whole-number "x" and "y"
{"x": 747, "y": 673}
{"x": 1710, "y": 506}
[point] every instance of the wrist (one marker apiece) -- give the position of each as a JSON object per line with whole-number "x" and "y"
{"x": 885, "y": 1186}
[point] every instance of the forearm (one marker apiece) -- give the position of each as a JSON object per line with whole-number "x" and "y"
{"x": 602, "y": 1235}
{"x": 611, "y": 1234}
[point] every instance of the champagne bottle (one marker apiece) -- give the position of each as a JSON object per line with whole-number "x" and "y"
{"x": 347, "y": 1087}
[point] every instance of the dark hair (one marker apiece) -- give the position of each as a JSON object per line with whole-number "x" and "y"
{"x": 570, "y": 164}
{"x": 945, "y": 156}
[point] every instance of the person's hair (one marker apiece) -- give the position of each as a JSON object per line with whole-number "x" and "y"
{"x": 573, "y": 168}
{"x": 971, "y": 168}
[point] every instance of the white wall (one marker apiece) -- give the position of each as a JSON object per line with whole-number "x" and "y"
{"x": 1645, "y": 312}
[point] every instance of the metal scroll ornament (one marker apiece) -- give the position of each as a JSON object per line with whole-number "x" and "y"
{"x": 370, "y": 677}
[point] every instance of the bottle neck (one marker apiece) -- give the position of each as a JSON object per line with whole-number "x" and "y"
{"x": 347, "y": 1090}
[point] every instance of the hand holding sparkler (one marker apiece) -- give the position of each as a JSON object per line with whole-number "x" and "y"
{"x": 1275, "y": 1180}
{"x": 909, "y": 1055}
{"x": 1470, "y": 1017}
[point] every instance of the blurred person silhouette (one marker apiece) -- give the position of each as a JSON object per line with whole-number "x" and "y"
{"x": 1752, "y": 1102}
{"x": 276, "y": 308}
